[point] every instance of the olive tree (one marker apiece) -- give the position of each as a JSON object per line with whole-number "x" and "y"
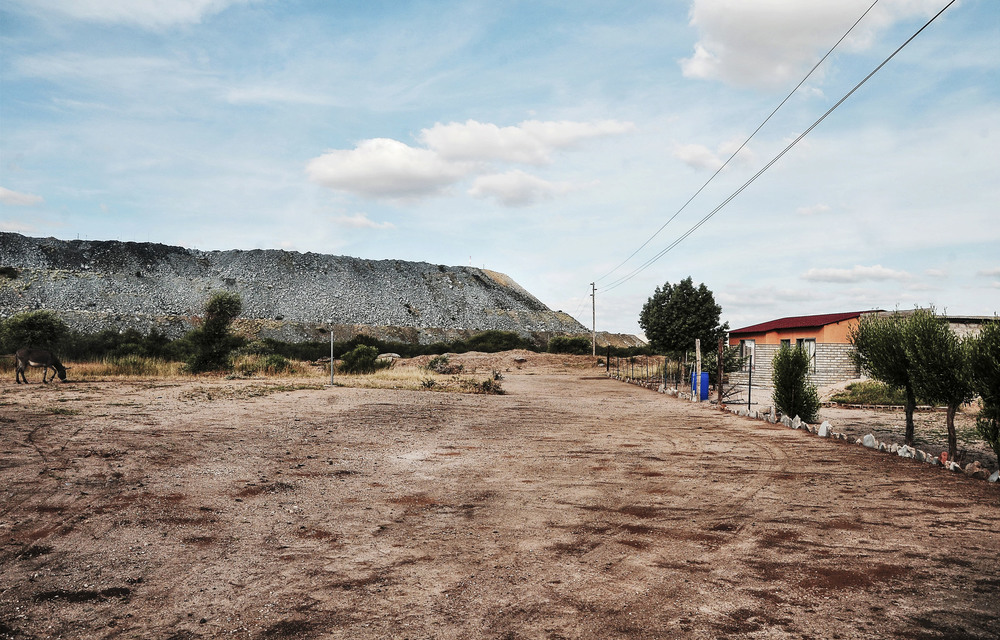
{"x": 984, "y": 366}
{"x": 880, "y": 352}
{"x": 939, "y": 361}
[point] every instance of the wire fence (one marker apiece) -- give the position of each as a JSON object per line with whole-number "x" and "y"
{"x": 662, "y": 373}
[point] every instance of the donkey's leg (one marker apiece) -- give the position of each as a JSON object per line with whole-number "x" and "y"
{"x": 45, "y": 372}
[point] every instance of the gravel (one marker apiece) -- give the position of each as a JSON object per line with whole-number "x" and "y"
{"x": 101, "y": 284}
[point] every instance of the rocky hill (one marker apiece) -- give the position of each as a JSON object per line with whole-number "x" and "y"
{"x": 292, "y": 296}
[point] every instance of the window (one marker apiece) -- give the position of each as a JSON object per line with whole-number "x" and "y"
{"x": 809, "y": 346}
{"x": 786, "y": 343}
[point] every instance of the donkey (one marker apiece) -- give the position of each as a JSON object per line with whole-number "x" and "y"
{"x": 37, "y": 358}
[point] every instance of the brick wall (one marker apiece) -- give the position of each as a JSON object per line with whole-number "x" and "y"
{"x": 833, "y": 365}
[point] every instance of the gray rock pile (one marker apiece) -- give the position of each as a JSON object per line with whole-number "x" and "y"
{"x": 98, "y": 284}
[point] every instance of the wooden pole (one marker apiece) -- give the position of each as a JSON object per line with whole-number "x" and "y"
{"x": 719, "y": 373}
{"x": 697, "y": 374}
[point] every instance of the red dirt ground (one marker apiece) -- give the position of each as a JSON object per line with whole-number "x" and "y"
{"x": 572, "y": 507}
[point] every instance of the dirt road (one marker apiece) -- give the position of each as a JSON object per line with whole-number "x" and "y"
{"x": 572, "y": 507}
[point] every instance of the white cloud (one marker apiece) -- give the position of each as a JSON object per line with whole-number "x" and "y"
{"x": 517, "y": 188}
{"x": 936, "y": 273}
{"x": 770, "y": 43}
{"x": 385, "y": 168}
{"x": 989, "y": 273}
{"x": 701, "y": 157}
{"x": 856, "y": 274}
{"x": 150, "y": 14}
{"x": 17, "y": 199}
{"x": 813, "y": 210}
{"x": 361, "y": 221}
{"x": 530, "y": 142}
{"x": 698, "y": 156}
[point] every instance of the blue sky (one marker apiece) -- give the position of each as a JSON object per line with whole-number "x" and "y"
{"x": 545, "y": 140}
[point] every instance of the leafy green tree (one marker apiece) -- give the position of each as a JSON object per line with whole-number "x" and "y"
{"x": 880, "y": 352}
{"x": 940, "y": 370}
{"x": 213, "y": 341}
{"x": 793, "y": 395}
{"x": 676, "y": 315}
{"x": 984, "y": 366}
{"x": 42, "y": 329}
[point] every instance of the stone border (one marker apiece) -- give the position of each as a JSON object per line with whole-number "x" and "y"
{"x": 825, "y": 430}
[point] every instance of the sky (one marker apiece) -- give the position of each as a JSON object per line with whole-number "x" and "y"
{"x": 560, "y": 143}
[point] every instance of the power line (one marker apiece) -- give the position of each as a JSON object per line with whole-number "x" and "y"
{"x": 745, "y": 142}
{"x": 705, "y": 219}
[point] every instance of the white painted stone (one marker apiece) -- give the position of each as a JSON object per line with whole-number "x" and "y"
{"x": 869, "y": 441}
{"x": 824, "y": 429}
{"x": 796, "y": 422}
{"x": 785, "y": 420}
{"x": 882, "y": 448}
{"x": 919, "y": 455}
{"x": 905, "y": 452}
{"x": 994, "y": 477}
{"x": 894, "y": 448}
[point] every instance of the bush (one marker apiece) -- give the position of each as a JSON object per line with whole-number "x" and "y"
{"x": 212, "y": 342}
{"x": 42, "y": 329}
{"x": 362, "y": 360}
{"x": 257, "y": 364}
{"x": 871, "y": 392}
{"x": 793, "y": 395}
{"x": 442, "y": 364}
{"x": 575, "y": 345}
{"x": 493, "y": 341}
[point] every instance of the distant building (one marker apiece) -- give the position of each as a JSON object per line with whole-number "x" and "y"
{"x": 824, "y": 337}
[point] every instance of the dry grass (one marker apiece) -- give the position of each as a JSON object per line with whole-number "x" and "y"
{"x": 406, "y": 377}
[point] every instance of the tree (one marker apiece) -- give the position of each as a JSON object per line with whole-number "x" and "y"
{"x": 939, "y": 362}
{"x": 984, "y": 366}
{"x": 678, "y": 314}
{"x": 880, "y": 352}
{"x": 793, "y": 395}
{"x": 43, "y": 329}
{"x": 212, "y": 342}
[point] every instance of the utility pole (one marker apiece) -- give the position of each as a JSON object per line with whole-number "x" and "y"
{"x": 593, "y": 311}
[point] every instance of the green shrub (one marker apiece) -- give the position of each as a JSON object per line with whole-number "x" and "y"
{"x": 362, "y": 360}
{"x": 493, "y": 341}
{"x": 576, "y": 345}
{"x": 43, "y": 329}
{"x": 871, "y": 392}
{"x": 793, "y": 395}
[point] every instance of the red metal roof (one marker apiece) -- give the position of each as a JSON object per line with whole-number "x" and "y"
{"x": 798, "y": 322}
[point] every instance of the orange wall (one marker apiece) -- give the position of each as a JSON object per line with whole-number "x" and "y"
{"x": 835, "y": 333}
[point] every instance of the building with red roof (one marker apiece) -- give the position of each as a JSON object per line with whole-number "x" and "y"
{"x": 824, "y": 338}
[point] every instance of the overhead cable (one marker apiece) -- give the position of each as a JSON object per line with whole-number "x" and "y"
{"x": 745, "y": 142}
{"x": 705, "y": 219}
